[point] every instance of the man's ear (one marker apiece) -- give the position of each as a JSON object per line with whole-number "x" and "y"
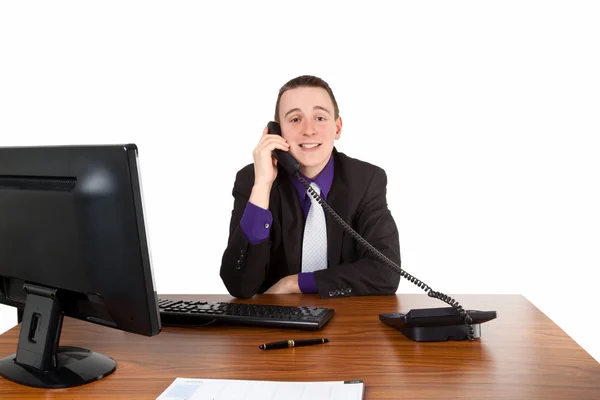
{"x": 338, "y": 128}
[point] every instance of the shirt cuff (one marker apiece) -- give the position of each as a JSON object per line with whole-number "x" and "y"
{"x": 256, "y": 223}
{"x": 307, "y": 283}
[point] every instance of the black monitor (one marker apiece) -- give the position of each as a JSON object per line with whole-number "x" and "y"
{"x": 72, "y": 243}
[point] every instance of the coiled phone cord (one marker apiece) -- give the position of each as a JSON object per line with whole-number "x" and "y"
{"x": 430, "y": 292}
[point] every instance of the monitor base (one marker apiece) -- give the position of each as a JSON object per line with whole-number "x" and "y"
{"x": 75, "y": 367}
{"x": 39, "y": 361}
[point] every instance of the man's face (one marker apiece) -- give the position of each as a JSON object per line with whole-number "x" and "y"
{"x": 308, "y": 125}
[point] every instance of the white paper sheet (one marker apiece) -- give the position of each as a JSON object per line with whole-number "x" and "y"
{"x": 228, "y": 389}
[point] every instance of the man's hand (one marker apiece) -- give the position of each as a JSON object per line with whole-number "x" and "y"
{"x": 286, "y": 285}
{"x": 265, "y": 165}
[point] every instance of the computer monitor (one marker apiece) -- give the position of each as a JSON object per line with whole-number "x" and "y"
{"x": 72, "y": 243}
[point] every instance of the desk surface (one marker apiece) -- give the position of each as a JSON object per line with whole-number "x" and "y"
{"x": 522, "y": 354}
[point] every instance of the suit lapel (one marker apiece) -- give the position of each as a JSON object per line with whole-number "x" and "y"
{"x": 338, "y": 201}
{"x": 292, "y": 224}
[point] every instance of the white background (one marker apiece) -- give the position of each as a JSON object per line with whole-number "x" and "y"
{"x": 485, "y": 116}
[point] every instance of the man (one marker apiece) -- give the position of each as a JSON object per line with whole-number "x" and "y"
{"x": 280, "y": 241}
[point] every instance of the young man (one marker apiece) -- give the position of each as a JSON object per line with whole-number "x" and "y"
{"x": 279, "y": 240}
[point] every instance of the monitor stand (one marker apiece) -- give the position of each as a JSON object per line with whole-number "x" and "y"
{"x": 39, "y": 361}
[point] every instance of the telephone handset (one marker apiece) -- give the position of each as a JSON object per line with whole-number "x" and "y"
{"x": 285, "y": 159}
{"x": 443, "y": 322}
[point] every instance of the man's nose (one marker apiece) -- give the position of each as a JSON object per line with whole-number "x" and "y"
{"x": 308, "y": 128}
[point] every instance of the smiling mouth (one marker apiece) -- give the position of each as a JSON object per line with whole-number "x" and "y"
{"x": 310, "y": 146}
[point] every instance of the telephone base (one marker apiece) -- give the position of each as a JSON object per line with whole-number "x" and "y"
{"x": 436, "y": 324}
{"x": 440, "y": 333}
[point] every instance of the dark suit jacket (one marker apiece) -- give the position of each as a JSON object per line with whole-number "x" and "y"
{"x": 357, "y": 195}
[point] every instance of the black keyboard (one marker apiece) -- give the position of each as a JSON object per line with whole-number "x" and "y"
{"x": 200, "y": 313}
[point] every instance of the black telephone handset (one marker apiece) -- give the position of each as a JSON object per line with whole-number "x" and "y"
{"x": 428, "y": 324}
{"x": 285, "y": 159}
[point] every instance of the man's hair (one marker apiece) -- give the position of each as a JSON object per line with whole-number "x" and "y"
{"x": 306, "y": 81}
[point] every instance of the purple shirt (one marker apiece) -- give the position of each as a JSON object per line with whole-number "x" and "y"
{"x": 256, "y": 221}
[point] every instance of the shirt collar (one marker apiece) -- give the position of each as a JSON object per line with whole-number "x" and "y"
{"x": 324, "y": 180}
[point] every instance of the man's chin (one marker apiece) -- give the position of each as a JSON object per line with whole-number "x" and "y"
{"x": 312, "y": 168}
{"x": 312, "y": 160}
{"x": 311, "y": 164}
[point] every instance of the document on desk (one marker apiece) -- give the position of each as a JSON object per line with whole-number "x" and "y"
{"x": 229, "y": 389}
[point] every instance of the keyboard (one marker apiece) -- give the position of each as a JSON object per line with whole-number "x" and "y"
{"x": 200, "y": 313}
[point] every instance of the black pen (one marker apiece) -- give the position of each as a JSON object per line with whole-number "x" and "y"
{"x": 284, "y": 344}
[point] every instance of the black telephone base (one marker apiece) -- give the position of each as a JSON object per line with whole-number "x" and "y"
{"x": 440, "y": 333}
{"x": 436, "y": 324}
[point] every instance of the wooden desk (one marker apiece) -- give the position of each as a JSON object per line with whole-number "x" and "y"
{"x": 522, "y": 354}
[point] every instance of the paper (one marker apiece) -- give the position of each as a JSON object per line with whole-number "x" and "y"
{"x": 229, "y": 389}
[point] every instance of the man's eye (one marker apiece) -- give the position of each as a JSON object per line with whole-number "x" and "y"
{"x": 294, "y": 119}
{"x": 320, "y": 118}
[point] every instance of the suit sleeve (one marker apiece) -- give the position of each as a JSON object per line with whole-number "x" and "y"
{"x": 244, "y": 264}
{"x": 367, "y": 275}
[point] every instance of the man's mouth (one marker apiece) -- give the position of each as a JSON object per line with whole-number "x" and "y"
{"x": 310, "y": 145}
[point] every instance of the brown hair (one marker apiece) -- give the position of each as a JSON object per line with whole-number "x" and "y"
{"x": 306, "y": 81}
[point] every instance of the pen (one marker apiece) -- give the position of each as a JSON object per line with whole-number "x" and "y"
{"x": 292, "y": 343}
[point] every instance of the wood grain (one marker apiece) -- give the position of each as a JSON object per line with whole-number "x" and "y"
{"x": 522, "y": 354}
